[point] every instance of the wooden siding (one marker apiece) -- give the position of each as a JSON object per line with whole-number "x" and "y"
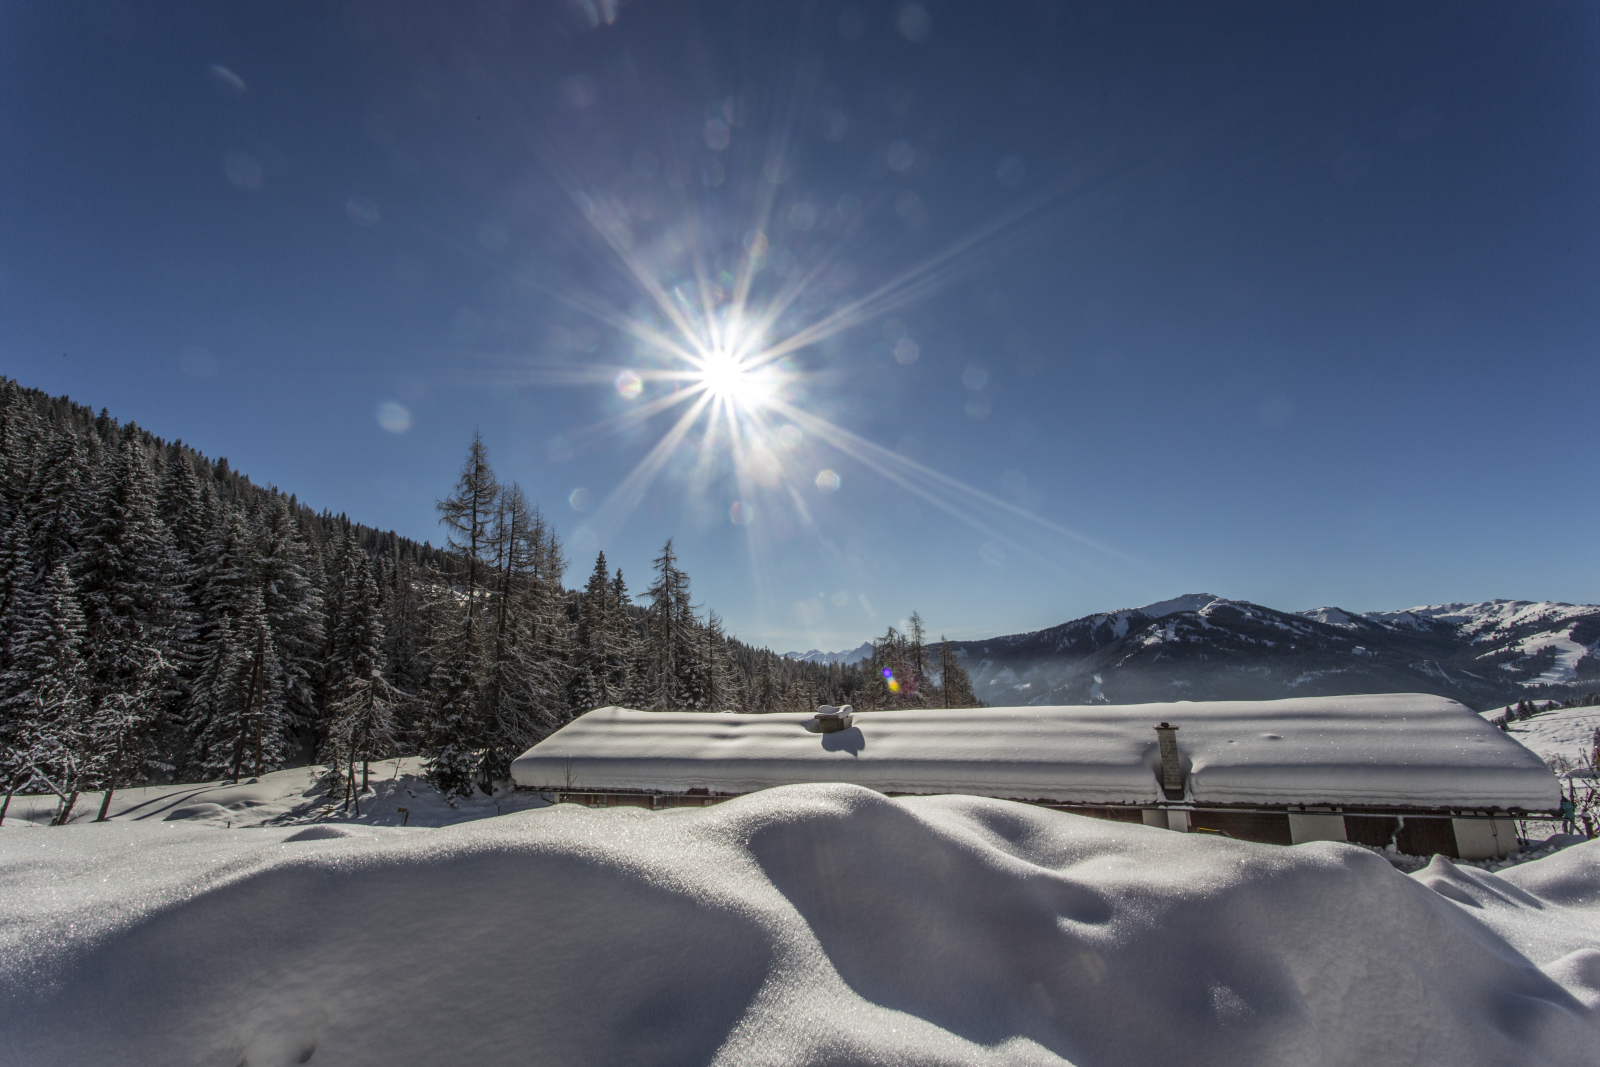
{"x": 1267, "y": 827}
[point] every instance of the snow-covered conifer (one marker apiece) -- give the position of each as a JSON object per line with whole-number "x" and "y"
{"x": 294, "y": 609}
{"x": 45, "y": 729}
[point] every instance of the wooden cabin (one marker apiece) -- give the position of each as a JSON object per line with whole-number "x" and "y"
{"x": 1412, "y": 772}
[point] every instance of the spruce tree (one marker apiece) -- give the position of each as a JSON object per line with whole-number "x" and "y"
{"x": 54, "y": 504}
{"x": 181, "y": 505}
{"x": 450, "y": 732}
{"x": 405, "y": 629}
{"x": 239, "y": 697}
{"x": 362, "y": 727}
{"x": 294, "y": 611}
{"x": 588, "y": 670}
{"x": 137, "y": 626}
{"x": 362, "y": 723}
{"x": 46, "y": 734}
{"x": 669, "y": 663}
{"x": 617, "y": 649}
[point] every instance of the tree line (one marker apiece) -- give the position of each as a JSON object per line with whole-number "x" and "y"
{"x": 164, "y": 619}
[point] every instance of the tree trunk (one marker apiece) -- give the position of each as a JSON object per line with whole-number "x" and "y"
{"x": 66, "y": 811}
{"x": 258, "y": 696}
{"x": 238, "y": 748}
{"x": 366, "y": 768}
{"x": 4, "y": 807}
{"x": 105, "y": 805}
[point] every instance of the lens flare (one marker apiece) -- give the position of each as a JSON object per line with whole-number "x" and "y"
{"x": 394, "y": 416}
{"x": 629, "y": 385}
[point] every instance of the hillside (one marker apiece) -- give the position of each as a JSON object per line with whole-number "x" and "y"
{"x": 1204, "y": 647}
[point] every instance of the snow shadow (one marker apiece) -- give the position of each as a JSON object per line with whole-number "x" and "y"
{"x": 852, "y": 741}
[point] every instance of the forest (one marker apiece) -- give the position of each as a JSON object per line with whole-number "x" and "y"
{"x": 162, "y": 618}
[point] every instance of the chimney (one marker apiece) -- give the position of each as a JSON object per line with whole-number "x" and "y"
{"x": 830, "y": 719}
{"x": 1171, "y": 769}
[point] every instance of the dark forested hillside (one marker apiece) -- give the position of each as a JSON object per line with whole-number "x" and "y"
{"x": 162, "y": 617}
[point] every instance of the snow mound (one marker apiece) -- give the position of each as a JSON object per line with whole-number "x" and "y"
{"x": 321, "y": 833}
{"x": 802, "y": 925}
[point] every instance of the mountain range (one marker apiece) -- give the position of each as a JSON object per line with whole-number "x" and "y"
{"x": 1205, "y": 647}
{"x": 855, "y": 655}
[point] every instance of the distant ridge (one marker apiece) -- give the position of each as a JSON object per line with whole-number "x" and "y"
{"x": 1204, "y": 647}
{"x": 855, "y": 655}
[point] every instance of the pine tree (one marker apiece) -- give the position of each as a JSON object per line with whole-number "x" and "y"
{"x": 916, "y": 654}
{"x": 721, "y": 693}
{"x": 294, "y": 610}
{"x": 20, "y": 430}
{"x": 617, "y": 650}
{"x": 468, "y": 514}
{"x": 180, "y": 504}
{"x": 239, "y": 697}
{"x": 44, "y": 697}
{"x": 137, "y": 626}
{"x": 54, "y": 504}
{"x": 355, "y": 635}
{"x": 16, "y": 585}
{"x": 404, "y": 626}
{"x": 764, "y": 690}
{"x": 588, "y": 667}
{"x": 363, "y": 726}
{"x": 669, "y": 660}
{"x": 512, "y": 674}
{"x": 362, "y": 723}
{"x": 451, "y": 728}
{"x": 955, "y": 685}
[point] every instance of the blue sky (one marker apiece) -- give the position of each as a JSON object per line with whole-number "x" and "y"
{"x": 1107, "y": 302}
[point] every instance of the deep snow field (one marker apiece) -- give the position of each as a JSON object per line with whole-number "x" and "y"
{"x": 1568, "y": 732}
{"x": 813, "y": 924}
{"x": 285, "y": 798}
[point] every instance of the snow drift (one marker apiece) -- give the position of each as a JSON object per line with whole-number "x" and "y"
{"x": 802, "y": 925}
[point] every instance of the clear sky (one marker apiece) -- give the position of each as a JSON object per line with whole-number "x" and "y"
{"x": 1005, "y": 313}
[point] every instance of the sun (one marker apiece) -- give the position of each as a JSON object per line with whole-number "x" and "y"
{"x": 743, "y": 382}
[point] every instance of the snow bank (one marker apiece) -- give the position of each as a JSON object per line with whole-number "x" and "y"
{"x": 1402, "y": 750}
{"x": 805, "y": 925}
{"x": 399, "y": 795}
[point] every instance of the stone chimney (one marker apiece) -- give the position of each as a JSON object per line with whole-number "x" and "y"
{"x": 1171, "y": 768}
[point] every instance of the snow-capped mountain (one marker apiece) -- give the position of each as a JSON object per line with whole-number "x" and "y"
{"x": 855, "y": 655}
{"x": 1205, "y": 647}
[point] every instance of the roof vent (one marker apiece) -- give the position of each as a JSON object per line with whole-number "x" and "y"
{"x": 1171, "y": 768}
{"x": 830, "y": 719}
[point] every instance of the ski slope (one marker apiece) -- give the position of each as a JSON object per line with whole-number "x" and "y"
{"x": 800, "y": 925}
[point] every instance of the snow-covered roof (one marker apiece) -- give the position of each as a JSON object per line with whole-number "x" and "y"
{"x": 1390, "y": 750}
